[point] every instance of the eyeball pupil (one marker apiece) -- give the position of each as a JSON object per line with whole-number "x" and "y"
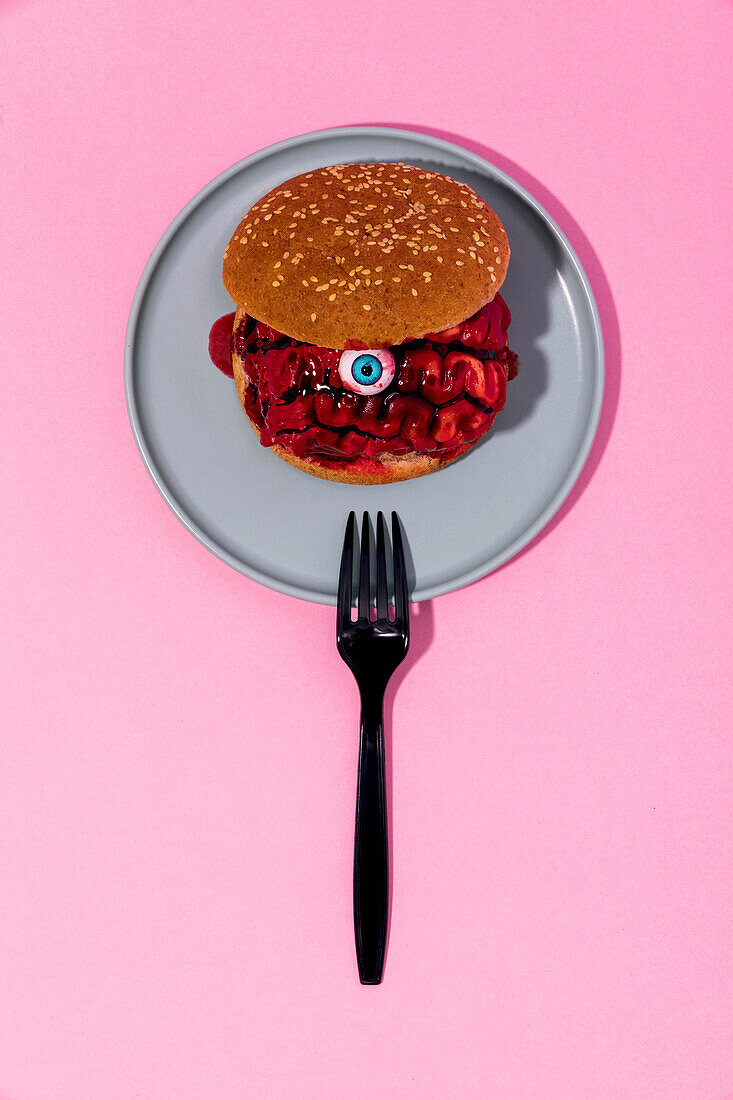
{"x": 366, "y": 369}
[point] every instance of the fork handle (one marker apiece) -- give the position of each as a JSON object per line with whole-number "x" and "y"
{"x": 371, "y": 858}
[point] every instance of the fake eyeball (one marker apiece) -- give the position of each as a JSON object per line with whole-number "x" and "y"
{"x": 367, "y": 372}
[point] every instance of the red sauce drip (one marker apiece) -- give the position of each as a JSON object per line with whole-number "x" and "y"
{"x": 220, "y": 344}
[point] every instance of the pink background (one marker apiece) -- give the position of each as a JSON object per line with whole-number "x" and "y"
{"x": 179, "y": 745}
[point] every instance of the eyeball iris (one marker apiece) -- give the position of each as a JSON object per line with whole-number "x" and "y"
{"x": 367, "y": 372}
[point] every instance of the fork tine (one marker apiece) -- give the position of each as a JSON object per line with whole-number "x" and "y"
{"x": 400, "y": 576}
{"x": 346, "y": 573}
{"x": 381, "y": 570}
{"x": 364, "y": 571}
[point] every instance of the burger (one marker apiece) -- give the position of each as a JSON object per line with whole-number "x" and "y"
{"x": 369, "y": 340}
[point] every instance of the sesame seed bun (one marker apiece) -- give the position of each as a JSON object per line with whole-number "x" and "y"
{"x": 370, "y": 253}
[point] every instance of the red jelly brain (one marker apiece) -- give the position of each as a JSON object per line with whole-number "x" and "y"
{"x": 433, "y": 395}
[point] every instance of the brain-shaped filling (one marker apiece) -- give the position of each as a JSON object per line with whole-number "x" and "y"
{"x": 432, "y": 395}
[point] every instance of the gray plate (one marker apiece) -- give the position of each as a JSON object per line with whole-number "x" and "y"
{"x": 284, "y": 528}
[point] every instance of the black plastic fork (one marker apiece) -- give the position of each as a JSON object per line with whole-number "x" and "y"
{"x": 372, "y": 648}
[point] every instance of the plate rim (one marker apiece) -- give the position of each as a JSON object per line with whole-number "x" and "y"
{"x": 428, "y": 140}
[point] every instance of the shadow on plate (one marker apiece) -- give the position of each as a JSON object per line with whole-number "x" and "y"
{"x": 531, "y": 382}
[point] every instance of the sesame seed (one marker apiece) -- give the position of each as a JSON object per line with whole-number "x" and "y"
{"x": 414, "y": 292}
{"x": 332, "y": 297}
{"x": 365, "y": 306}
{"x": 313, "y": 316}
{"x": 304, "y": 282}
{"x": 278, "y": 264}
{"x": 396, "y": 279}
{"x": 276, "y": 283}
